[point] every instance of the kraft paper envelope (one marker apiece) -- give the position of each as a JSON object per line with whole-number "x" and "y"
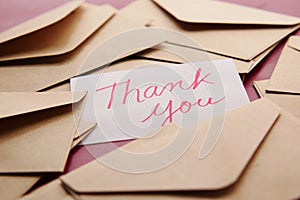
{"x": 273, "y": 173}
{"x": 285, "y": 78}
{"x": 41, "y": 73}
{"x": 218, "y": 27}
{"x": 40, "y": 21}
{"x": 260, "y": 87}
{"x": 59, "y": 38}
{"x": 14, "y": 186}
{"x": 289, "y": 102}
{"x": 160, "y": 53}
{"x": 37, "y": 130}
{"x": 123, "y": 64}
{"x": 61, "y": 87}
{"x": 242, "y": 133}
{"x": 83, "y": 129}
{"x": 52, "y": 190}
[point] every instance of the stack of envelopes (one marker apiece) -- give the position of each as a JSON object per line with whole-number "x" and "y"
{"x": 283, "y": 87}
{"x": 257, "y": 155}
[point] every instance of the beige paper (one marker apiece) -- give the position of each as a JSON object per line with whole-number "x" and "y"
{"x": 242, "y": 39}
{"x": 214, "y": 12}
{"x": 42, "y": 73}
{"x": 123, "y": 64}
{"x": 242, "y": 133}
{"x": 40, "y": 21}
{"x": 61, "y": 87}
{"x": 61, "y": 37}
{"x": 14, "y": 186}
{"x": 37, "y": 130}
{"x": 160, "y": 53}
{"x": 83, "y": 129}
{"x": 289, "y": 102}
{"x": 260, "y": 87}
{"x": 285, "y": 78}
{"x": 50, "y": 191}
{"x": 273, "y": 172}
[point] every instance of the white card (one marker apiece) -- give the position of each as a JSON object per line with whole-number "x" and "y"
{"x": 137, "y": 103}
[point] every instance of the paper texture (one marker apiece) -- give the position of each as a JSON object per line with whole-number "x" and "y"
{"x": 222, "y": 88}
{"x": 42, "y": 73}
{"x": 245, "y": 40}
{"x": 285, "y": 78}
{"x": 238, "y": 142}
{"x": 40, "y": 21}
{"x": 59, "y": 38}
{"x": 35, "y": 128}
{"x": 289, "y": 102}
{"x": 14, "y": 186}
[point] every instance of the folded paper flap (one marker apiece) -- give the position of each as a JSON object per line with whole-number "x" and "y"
{"x": 14, "y": 186}
{"x": 77, "y": 140}
{"x": 208, "y": 11}
{"x": 83, "y": 127}
{"x": 285, "y": 77}
{"x": 40, "y": 21}
{"x": 236, "y": 148}
{"x": 16, "y": 103}
{"x": 260, "y": 87}
{"x": 52, "y": 190}
{"x": 61, "y": 37}
{"x": 294, "y": 42}
{"x": 242, "y": 134}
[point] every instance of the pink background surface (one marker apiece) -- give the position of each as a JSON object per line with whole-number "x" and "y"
{"x": 13, "y": 12}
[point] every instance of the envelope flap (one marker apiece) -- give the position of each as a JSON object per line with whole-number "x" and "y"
{"x": 40, "y": 21}
{"x": 294, "y": 42}
{"x": 209, "y": 11}
{"x": 16, "y": 103}
{"x": 61, "y": 37}
{"x": 83, "y": 127}
{"x": 242, "y": 133}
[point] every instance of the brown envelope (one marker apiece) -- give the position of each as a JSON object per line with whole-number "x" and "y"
{"x": 61, "y": 87}
{"x": 14, "y": 186}
{"x": 273, "y": 173}
{"x": 160, "y": 53}
{"x": 59, "y": 38}
{"x": 83, "y": 129}
{"x": 260, "y": 87}
{"x": 41, "y": 73}
{"x": 285, "y": 78}
{"x": 40, "y": 21}
{"x": 51, "y": 191}
{"x": 242, "y": 133}
{"x": 123, "y": 64}
{"x": 223, "y": 30}
{"x": 37, "y": 130}
{"x": 289, "y": 102}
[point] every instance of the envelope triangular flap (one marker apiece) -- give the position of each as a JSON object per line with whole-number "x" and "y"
{"x": 242, "y": 133}
{"x": 83, "y": 127}
{"x": 285, "y": 77}
{"x": 16, "y": 103}
{"x": 61, "y": 37}
{"x": 14, "y": 186}
{"x": 294, "y": 42}
{"x": 40, "y": 21}
{"x": 217, "y": 12}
